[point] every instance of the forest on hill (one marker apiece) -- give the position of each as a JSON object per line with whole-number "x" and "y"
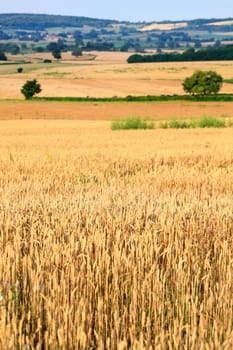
{"x": 43, "y": 21}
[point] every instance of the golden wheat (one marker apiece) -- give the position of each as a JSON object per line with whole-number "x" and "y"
{"x": 115, "y": 240}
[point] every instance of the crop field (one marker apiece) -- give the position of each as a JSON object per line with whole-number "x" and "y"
{"x": 106, "y": 76}
{"x": 115, "y": 239}
{"x": 164, "y": 26}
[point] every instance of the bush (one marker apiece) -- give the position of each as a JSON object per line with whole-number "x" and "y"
{"x": 20, "y": 70}
{"x": 131, "y": 123}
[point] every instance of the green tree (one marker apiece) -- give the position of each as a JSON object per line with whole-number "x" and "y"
{"x": 2, "y": 56}
{"x": 30, "y": 88}
{"x": 77, "y": 52}
{"x": 14, "y": 49}
{"x": 203, "y": 83}
{"x": 56, "y": 53}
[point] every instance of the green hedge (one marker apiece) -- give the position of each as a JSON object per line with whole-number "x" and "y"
{"x": 148, "y": 98}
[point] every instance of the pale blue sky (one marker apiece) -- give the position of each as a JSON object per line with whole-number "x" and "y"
{"x": 131, "y": 10}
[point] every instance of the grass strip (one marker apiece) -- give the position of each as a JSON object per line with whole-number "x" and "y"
{"x": 132, "y": 123}
{"x": 204, "y": 122}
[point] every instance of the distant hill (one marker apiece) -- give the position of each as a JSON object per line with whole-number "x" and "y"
{"x": 26, "y": 33}
{"x": 42, "y": 22}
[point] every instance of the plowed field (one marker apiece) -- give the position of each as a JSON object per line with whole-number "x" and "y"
{"x": 109, "y": 111}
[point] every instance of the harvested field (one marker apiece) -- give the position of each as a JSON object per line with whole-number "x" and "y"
{"x": 220, "y": 23}
{"x": 107, "y": 76}
{"x": 164, "y": 26}
{"x": 115, "y": 240}
{"x": 110, "y": 111}
{"x": 91, "y": 57}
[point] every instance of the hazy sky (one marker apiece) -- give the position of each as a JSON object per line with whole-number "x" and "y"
{"x": 132, "y": 10}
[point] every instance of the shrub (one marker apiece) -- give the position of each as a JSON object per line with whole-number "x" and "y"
{"x": 20, "y": 70}
{"x": 132, "y": 123}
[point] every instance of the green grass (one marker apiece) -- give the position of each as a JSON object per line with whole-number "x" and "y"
{"x": 204, "y": 122}
{"x": 208, "y": 122}
{"x": 229, "y": 81}
{"x": 56, "y": 74}
{"x": 7, "y": 63}
{"x": 28, "y": 67}
{"x": 175, "y": 124}
{"x": 132, "y": 123}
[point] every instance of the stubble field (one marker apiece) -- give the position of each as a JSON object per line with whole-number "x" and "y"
{"x": 113, "y": 239}
{"x": 106, "y": 76}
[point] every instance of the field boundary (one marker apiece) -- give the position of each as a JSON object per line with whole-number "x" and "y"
{"x": 147, "y": 98}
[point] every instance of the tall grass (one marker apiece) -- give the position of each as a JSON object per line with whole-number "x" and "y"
{"x": 115, "y": 240}
{"x": 204, "y": 122}
{"x": 208, "y": 122}
{"x": 132, "y": 123}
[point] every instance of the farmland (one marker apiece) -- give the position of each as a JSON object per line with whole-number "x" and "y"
{"x": 108, "y": 75}
{"x": 108, "y": 111}
{"x": 113, "y": 239}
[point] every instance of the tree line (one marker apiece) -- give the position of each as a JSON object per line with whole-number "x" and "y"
{"x": 208, "y": 54}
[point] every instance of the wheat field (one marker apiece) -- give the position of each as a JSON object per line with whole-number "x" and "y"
{"x": 115, "y": 240}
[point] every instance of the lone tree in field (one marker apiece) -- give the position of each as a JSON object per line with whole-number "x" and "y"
{"x": 203, "y": 83}
{"x": 56, "y": 53}
{"x": 30, "y": 88}
{"x": 77, "y": 52}
{"x": 2, "y": 56}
